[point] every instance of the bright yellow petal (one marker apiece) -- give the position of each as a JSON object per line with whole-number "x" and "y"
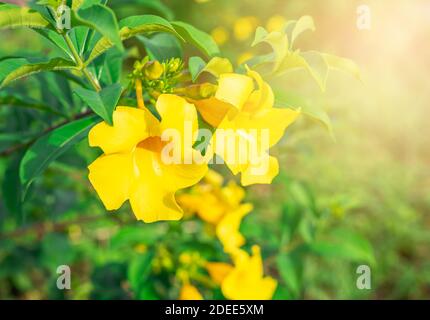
{"x": 112, "y": 177}
{"x": 177, "y": 113}
{"x": 227, "y": 229}
{"x": 213, "y": 110}
{"x": 246, "y": 280}
{"x": 153, "y": 195}
{"x": 261, "y": 173}
{"x": 190, "y": 292}
{"x": 260, "y": 99}
{"x": 274, "y": 121}
{"x": 218, "y": 271}
{"x": 234, "y": 88}
{"x": 130, "y": 126}
{"x": 232, "y": 194}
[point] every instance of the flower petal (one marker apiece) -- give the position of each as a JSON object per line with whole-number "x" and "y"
{"x": 130, "y": 126}
{"x": 274, "y": 120}
{"x": 234, "y": 88}
{"x": 177, "y": 113}
{"x": 227, "y": 229}
{"x": 262, "y": 172}
{"x": 218, "y": 271}
{"x": 112, "y": 177}
{"x": 190, "y": 292}
{"x": 153, "y": 195}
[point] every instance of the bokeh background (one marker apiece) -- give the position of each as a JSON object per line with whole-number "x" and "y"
{"x": 372, "y": 175}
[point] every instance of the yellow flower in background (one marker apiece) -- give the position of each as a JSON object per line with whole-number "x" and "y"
{"x": 246, "y": 281}
{"x": 276, "y": 23}
{"x": 227, "y": 230}
{"x": 210, "y": 200}
{"x": 131, "y": 167}
{"x": 189, "y": 292}
{"x": 218, "y": 271}
{"x": 250, "y": 111}
{"x": 220, "y": 35}
{"x": 244, "y": 27}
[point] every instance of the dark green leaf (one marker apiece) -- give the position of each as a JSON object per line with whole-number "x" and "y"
{"x": 102, "y": 103}
{"x": 50, "y": 146}
{"x": 162, "y": 46}
{"x": 102, "y": 19}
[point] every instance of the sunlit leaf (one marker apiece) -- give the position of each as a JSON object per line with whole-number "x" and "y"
{"x": 130, "y": 27}
{"x": 303, "y": 24}
{"x": 278, "y": 41}
{"x": 32, "y": 68}
{"x": 198, "y": 38}
{"x": 12, "y": 16}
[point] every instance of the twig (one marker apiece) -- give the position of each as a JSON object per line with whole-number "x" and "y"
{"x": 17, "y": 147}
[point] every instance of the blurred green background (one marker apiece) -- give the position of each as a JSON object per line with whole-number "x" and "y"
{"x": 372, "y": 178}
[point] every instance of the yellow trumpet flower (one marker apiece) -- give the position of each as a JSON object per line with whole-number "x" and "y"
{"x": 210, "y": 200}
{"x": 246, "y": 280}
{"x": 246, "y": 119}
{"x": 190, "y": 292}
{"x": 131, "y": 167}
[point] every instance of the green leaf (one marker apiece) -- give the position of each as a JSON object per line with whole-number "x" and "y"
{"x": 310, "y": 108}
{"x": 303, "y": 24}
{"x": 342, "y": 64}
{"x": 9, "y": 65}
{"x": 290, "y": 268}
{"x": 12, "y": 16}
{"x": 50, "y": 146}
{"x": 22, "y": 102}
{"x": 347, "y": 245}
{"x": 216, "y": 66}
{"x": 139, "y": 270}
{"x": 318, "y": 65}
{"x": 195, "y": 66}
{"x": 278, "y": 42}
{"x": 102, "y": 103}
{"x": 155, "y": 5}
{"x": 162, "y": 46}
{"x": 56, "y": 39}
{"x": 28, "y": 69}
{"x": 198, "y": 38}
{"x": 100, "y": 18}
{"x": 11, "y": 187}
{"x": 131, "y": 27}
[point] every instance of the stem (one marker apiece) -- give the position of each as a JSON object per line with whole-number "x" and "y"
{"x": 80, "y": 63}
{"x": 139, "y": 95}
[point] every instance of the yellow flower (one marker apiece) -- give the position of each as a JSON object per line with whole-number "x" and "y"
{"x": 246, "y": 281}
{"x": 276, "y": 23}
{"x": 210, "y": 200}
{"x": 131, "y": 167}
{"x": 218, "y": 271}
{"x": 244, "y": 27}
{"x": 220, "y": 35}
{"x": 246, "y": 119}
{"x": 227, "y": 230}
{"x": 189, "y": 292}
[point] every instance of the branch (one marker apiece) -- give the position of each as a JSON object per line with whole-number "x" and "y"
{"x": 17, "y": 147}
